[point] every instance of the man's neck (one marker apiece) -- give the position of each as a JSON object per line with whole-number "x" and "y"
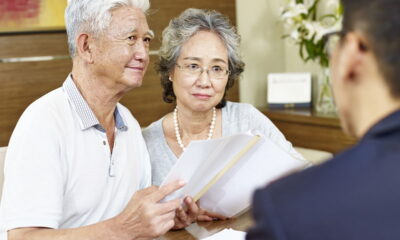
{"x": 101, "y": 100}
{"x": 376, "y": 106}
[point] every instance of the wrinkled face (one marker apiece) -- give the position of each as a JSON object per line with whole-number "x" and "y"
{"x": 122, "y": 51}
{"x": 200, "y": 75}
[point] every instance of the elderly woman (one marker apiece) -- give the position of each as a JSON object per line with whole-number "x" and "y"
{"x": 199, "y": 62}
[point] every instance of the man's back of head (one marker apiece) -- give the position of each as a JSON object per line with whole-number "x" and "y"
{"x": 379, "y": 20}
{"x": 365, "y": 66}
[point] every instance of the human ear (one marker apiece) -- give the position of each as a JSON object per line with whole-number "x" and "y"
{"x": 84, "y": 47}
{"x": 352, "y": 57}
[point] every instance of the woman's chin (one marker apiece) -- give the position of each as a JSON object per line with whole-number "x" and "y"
{"x": 203, "y": 107}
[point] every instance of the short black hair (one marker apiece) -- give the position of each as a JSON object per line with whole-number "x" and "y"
{"x": 379, "y": 20}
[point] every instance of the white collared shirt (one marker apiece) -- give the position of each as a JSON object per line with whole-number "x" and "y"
{"x": 59, "y": 171}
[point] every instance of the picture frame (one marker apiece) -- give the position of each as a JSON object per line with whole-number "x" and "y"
{"x": 18, "y": 16}
{"x": 289, "y": 90}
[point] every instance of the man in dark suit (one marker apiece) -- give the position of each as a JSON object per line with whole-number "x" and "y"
{"x": 355, "y": 195}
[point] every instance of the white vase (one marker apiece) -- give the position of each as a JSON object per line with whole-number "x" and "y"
{"x": 325, "y": 102}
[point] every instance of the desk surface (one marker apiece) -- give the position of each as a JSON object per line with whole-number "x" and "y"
{"x": 205, "y": 229}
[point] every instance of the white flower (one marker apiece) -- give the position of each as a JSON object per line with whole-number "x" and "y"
{"x": 295, "y": 36}
{"x": 300, "y": 24}
{"x": 328, "y": 7}
{"x": 311, "y": 29}
{"x": 294, "y": 11}
{"x": 322, "y": 29}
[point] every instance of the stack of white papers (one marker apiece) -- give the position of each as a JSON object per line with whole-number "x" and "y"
{"x": 223, "y": 173}
{"x": 228, "y": 234}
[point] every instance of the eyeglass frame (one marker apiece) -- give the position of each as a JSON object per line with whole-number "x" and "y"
{"x": 341, "y": 34}
{"x": 326, "y": 38}
{"x": 227, "y": 71}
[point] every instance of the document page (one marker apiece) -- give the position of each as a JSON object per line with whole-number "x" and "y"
{"x": 261, "y": 165}
{"x": 203, "y": 160}
{"x": 227, "y": 234}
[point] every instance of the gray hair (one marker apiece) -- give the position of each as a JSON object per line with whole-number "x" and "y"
{"x": 93, "y": 16}
{"x": 187, "y": 24}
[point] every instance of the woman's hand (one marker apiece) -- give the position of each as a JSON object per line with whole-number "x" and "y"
{"x": 206, "y": 216}
{"x": 193, "y": 213}
{"x": 185, "y": 218}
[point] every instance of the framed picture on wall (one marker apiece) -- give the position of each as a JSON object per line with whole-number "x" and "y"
{"x": 31, "y": 15}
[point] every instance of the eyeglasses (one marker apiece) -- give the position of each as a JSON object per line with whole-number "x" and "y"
{"x": 195, "y": 70}
{"x": 331, "y": 41}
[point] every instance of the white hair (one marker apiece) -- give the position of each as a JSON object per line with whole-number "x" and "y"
{"x": 93, "y": 16}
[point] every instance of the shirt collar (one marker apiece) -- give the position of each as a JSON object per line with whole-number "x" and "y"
{"x": 389, "y": 124}
{"x": 85, "y": 113}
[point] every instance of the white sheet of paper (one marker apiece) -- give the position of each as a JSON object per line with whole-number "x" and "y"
{"x": 261, "y": 165}
{"x": 202, "y": 160}
{"x": 227, "y": 234}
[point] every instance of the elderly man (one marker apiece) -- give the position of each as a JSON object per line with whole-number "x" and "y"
{"x": 77, "y": 160}
{"x": 355, "y": 195}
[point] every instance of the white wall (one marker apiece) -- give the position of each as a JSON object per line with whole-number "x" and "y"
{"x": 263, "y": 49}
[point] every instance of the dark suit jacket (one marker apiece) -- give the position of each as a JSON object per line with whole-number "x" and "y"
{"x": 356, "y": 195}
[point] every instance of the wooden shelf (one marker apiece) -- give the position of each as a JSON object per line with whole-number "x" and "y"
{"x": 306, "y": 128}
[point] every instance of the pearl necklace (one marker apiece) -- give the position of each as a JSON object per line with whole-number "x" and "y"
{"x": 178, "y": 135}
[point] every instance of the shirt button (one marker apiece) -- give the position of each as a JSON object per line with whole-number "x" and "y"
{"x": 104, "y": 142}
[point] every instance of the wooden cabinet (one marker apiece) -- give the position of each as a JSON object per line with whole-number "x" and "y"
{"x": 306, "y": 128}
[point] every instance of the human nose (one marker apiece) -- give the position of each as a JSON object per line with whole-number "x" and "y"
{"x": 204, "y": 78}
{"x": 141, "y": 52}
